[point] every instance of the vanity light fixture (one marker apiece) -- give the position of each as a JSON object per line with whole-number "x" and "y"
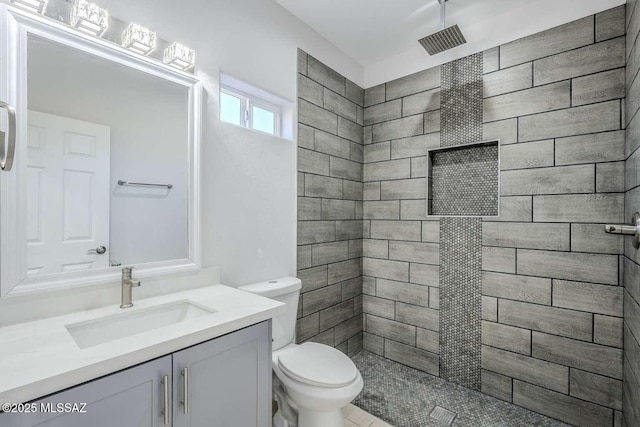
{"x": 89, "y": 18}
{"x": 179, "y": 56}
{"x": 139, "y": 39}
{"x": 35, "y": 6}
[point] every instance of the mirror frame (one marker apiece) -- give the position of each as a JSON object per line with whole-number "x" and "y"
{"x": 15, "y": 26}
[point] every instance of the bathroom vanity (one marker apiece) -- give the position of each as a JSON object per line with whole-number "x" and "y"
{"x": 211, "y": 360}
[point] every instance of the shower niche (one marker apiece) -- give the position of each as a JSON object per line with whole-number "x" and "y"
{"x": 464, "y": 180}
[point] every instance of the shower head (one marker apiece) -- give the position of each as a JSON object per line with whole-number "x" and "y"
{"x": 445, "y": 39}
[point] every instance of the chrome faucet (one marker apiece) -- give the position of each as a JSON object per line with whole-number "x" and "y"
{"x": 127, "y": 285}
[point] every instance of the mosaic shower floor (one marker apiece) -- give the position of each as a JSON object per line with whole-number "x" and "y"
{"x": 405, "y": 397}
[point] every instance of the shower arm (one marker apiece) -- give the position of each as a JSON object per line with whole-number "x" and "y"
{"x": 444, "y": 39}
{"x": 632, "y": 230}
{"x": 443, "y": 13}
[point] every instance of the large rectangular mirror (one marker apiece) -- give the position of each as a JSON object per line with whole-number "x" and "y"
{"x": 105, "y": 172}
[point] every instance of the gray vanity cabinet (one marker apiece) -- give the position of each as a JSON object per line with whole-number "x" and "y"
{"x": 133, "y": 397}
{"x": 224, "y": 382}
{"x": 228, "y": 381}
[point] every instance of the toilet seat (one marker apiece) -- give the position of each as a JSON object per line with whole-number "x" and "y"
{"x": 318, "y": 365}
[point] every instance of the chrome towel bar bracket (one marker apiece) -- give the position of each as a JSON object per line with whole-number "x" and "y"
{"x": 121, "y": 182}
{"x": 631, "y": 230}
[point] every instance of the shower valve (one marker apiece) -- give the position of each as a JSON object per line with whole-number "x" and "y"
{"x": 632, "y": 230}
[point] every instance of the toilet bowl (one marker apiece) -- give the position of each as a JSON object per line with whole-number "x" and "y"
{"x": 319, "y": 381}
{"x": 312, "y": 382}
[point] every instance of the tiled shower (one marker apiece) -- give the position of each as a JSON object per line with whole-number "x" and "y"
{"x": 526, "y": 306}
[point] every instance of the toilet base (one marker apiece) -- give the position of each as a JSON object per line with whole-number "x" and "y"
{"x": 308, "y": 418}
{"x": 280, "y": 421}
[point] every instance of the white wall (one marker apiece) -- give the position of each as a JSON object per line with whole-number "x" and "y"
{"x": 149, "y": 131}
{"x": 249, "y": 179}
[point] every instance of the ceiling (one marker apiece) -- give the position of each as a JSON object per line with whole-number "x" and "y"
{"x": 371, "y": 30}
{"x": 375, "y": 31}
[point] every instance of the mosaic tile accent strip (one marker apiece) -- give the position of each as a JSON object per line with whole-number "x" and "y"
{"x": 465, "y": 181}
{"x": 404, "y": 397}
{"x": 461, "y": 238}
{"x": 461, "y": 101}
{"x": 461, "y": 300}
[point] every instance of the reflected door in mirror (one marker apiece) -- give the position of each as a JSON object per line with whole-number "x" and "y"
{"x": 89, "y": 115}
{"x": 68, "y": 194}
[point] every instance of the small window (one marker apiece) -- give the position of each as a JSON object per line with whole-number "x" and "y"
{"x": 249, "y": 111}
{"x": 263, "y": 119}
{"x": 230, "y": 108}
{"x": 252, "y": 107}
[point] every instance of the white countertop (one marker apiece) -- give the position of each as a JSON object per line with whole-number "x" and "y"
{"x": 40, "y": 357}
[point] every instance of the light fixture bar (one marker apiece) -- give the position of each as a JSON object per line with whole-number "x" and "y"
{"x": 89, "y": 18}
{"x": 139, "y": 39}
{"x": 179, "y": 56}
{"x": 35, "y": 6}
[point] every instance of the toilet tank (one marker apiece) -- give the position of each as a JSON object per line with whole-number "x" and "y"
{"x": 286, "y": 290}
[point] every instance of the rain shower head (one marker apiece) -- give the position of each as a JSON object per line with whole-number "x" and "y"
{"x": 445, "y": 39}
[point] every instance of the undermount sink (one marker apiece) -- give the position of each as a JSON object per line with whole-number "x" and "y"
{"x": 116, "y": 326}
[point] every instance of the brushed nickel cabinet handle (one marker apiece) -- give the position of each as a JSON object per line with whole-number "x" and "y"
{"x": 185, "y": 390}
{"x": 7, "y": 155}
{"x": 166, "y": 411}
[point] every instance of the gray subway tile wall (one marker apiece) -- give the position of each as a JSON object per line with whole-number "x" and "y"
{"x": 586, "y": 119}
{"x": 330, "y": 191}
{"x": 580, "y": 62}
{"x": 504, "y": 130}
{"x": 539, "y": 99}
{"x": 608, "y": 147}
{"x": 508, "y": 80}
{"x": 552, "y": 295}
{"x": 610, "y": 24}
{"x": 519, "y": 288}
{"x": 400, "y": 252}
{"x": 551, "y": 304}
{"x": 556, "y": 40}
{"x": 599, "y": 87}
{"x": 560, "y": 405}
{"x": 579, "y": 208}
{"x": 608, "y": 330}
{"x": 630, "y": 267}
{"x": 527, "y": 155}
{"x": 532, "y": 370}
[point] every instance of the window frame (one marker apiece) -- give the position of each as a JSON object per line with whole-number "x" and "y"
{"x": 247, "y": 102}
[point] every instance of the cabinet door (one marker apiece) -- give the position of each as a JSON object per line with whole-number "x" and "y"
{"x": 130, "y": 398}
{"x": 225, "y": 382}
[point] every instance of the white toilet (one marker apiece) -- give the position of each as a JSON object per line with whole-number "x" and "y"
{"x": 312, "y": 382}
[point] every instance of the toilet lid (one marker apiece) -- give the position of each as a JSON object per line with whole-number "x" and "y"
{"x": 318, "y": 365}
